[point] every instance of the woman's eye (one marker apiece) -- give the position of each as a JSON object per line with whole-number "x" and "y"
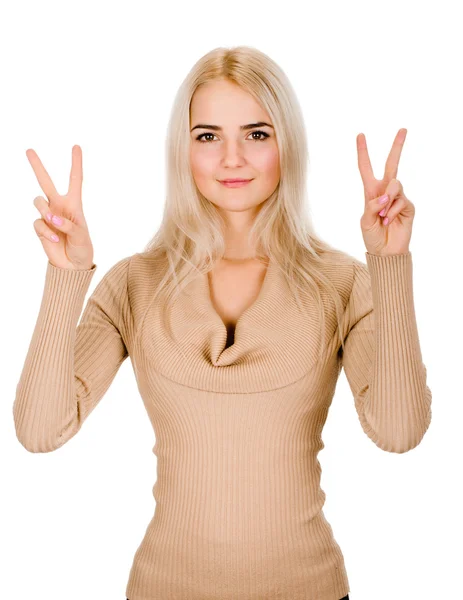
{"x": 265, "y": 135}
{"x": 261, "y": 133}
{"x": 202, "y": 135}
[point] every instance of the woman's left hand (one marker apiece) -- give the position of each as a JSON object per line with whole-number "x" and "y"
{"x": 388, "y": 232}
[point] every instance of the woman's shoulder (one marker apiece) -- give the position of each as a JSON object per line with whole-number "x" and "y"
{"x": 146, "y": 268}
{"x": 342, "y": 267}
{"x": 134, "y": 276}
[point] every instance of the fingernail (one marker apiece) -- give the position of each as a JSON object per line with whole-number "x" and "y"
{"x": 49, "y": 215}
{"x": 57, "y": 220}
{"x": 383, "y": 199}
{"x": 382, "y": 213}
{"x": 386, "y": 221}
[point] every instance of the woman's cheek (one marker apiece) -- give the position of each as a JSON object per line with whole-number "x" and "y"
{"x": 270, "y": 164}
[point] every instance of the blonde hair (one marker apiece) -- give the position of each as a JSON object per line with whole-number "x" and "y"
{"x": 190, "y": 235}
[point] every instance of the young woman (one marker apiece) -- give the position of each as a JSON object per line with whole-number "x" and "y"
{"x": 238, "y": 319}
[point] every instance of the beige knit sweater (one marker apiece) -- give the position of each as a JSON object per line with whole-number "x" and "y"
{"x": 238, "y": 503}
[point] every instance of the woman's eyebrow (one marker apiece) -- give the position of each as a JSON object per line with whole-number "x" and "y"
{"x": 242, "y": 127}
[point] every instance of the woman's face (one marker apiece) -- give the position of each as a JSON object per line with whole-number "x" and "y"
{"x": 231, "y": 152}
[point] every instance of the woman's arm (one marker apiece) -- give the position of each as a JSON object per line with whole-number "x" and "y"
{"x": 68, "y": 368}
{"x": 382, "y": 356}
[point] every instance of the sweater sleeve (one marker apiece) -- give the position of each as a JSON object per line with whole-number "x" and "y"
{"x": 382, "y": 356}
{"x": 68, "y": 368}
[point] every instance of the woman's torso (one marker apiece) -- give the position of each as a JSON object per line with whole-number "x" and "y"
{"x": 234, "y": 287}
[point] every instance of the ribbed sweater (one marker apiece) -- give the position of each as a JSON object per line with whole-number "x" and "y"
{"x": 238, "y": 503}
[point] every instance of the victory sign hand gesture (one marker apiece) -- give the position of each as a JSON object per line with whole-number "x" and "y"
{"x": 62, "y": 228}
{"x": 388, "y": 215}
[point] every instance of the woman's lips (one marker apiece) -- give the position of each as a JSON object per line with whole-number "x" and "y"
{"x": 235, "y": 184}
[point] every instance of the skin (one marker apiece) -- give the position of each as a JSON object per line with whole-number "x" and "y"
{"x": 72, "y": 248}
{"x": 390, "y": 232}
{"x": 233, "y": 153}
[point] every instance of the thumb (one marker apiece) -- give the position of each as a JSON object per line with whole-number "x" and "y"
{"x": 77, "y": 235}
{"x": 373, "y": 208}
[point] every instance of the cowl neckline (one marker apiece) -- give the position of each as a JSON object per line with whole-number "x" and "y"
{"x": 204, "y": 294}
{"x": 269, "y": 331}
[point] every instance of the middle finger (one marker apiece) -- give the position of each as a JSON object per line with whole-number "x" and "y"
{"x": 392, "y": 163}
{"x": 42, "y": 175}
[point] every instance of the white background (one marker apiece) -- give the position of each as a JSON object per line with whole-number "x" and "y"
{"x": 103, "y": 75}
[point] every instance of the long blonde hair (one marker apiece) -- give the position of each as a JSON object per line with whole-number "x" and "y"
{"x": 190, "y": 236}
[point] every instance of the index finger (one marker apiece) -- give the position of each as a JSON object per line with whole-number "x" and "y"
{"x": 42, "y": 175}
{"x": 75, "y": 179}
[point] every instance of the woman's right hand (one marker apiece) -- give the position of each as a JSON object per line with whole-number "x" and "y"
{"x": 74, "y": 249}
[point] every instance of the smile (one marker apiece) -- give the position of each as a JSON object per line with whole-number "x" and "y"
{"x": 235, "y": 184}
